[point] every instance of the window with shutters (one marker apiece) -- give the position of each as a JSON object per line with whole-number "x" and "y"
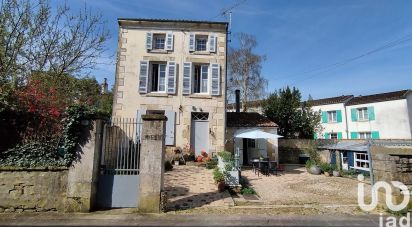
{"x": 361, "y": 161}
{"x": 332, "y": 116}
{"x": 363, "y": 114}
{"x": 333, "y": 135}
{"x": 201, "y": 79}
{"x": 157, "y": 82}
{"x": 201, "y": 43}
{"x": 159, "y": 41}
{"x": 365, "y": 135}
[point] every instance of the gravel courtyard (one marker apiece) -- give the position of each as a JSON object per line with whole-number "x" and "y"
{"x": 297, "y": 187}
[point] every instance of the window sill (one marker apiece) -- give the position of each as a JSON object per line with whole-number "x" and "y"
{"x": 158, "y": 51}
{"x": 153, "y": 94}
{"x": 363, "y": 120}
{"x": 201, "y": 52}
{"x": 200, "y": 96}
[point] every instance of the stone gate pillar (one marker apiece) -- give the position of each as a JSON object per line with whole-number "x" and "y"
{"x": 152, "y": 155}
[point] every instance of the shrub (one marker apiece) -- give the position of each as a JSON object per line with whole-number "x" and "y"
{"x": 168, "y": 166}
{"x": 247, "y": 191}
{"x": 226, "y": 156}
{"x": 325, "y": 167}
{"x": 211, "y": 164}
{"x": 309, "y": 163}
{"x": 218, "y": 176}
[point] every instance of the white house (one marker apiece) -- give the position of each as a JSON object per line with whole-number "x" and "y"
{"x": 377, "y": 116}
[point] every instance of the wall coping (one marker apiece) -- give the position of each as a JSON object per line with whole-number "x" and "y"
{"x": 46, "y": 168}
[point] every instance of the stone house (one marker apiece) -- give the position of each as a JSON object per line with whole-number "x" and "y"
{"x": 176, "y": 68}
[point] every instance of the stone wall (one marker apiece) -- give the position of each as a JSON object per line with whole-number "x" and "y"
{"x": 290, "y": 149}
{"x": 392, "y": 164}
{"x": 32, "y": 190}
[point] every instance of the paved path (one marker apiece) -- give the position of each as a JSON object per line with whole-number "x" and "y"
{"x": 93, "y": 219}
{"x": 191, "y": 187}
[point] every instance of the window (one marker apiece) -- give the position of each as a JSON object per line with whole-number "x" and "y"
{"x": 365, "y": 135}
{"x": 158, "y": 78}
{"x": 201, "y": 79}
{"x": 251, "y": 143}
{"x": 200, "y": 116}
{"x": 363, "y": 114}
{"x": 159, "y": 41}
{"x": 201, "y": 43}
{"x": 333, "y": 135}
{"x": 161, "y": 112}
{"x": 332, "y": 116}
{"x": 361, "y": 161}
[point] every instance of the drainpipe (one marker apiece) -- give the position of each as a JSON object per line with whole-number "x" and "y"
{"x": 346, "y": 122}
{"x": 237, "y": 93}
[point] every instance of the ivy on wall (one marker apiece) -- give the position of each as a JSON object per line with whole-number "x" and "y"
{"x": 52, "y": 153}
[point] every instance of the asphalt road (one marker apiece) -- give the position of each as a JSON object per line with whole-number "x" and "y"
{"x": 93, "y": 219}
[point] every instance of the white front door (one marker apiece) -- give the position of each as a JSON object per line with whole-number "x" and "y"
{"x": 200, "y": 134}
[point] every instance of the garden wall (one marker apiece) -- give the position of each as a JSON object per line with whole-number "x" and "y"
{"x": 32, "y": 190}
{"x": 392, "y": 164}
{"x": 291, "y": 149}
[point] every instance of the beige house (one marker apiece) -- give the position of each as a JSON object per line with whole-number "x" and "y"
{"x": 176, "y": 68}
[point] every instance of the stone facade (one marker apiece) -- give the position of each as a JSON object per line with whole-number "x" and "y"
{"x": 32, "y": 190}
{"x": 392, "y": 164}
{"x": 132, "y": 49}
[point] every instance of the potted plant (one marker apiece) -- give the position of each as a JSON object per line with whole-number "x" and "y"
{"x": 176, "y": 160}
{"x": 219, "y": 179}
{"x": 312, "y": 167}
{"x": 336, "y": 172}
{"x": 326, "y": 169}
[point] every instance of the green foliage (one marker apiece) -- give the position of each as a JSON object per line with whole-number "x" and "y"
{"x": 212, "y": 163}
{"x": 313, "y": 154}
{"x": 230, "y": 165}
{"x": 226, "y": 156}
{"x": 295, "y": 119}
{"x": 168, "y": 166}
{"x": 309, "y": 163}
{"x": 247, "y": 191}
{"x": 53, "y": 153}
{"x": 218, "y": 176}
{"x": 325, "y": 167}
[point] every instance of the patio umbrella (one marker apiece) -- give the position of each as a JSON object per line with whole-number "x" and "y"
{"x": 257, "y": 134}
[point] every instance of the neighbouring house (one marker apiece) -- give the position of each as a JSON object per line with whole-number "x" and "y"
{"x": 176, "y": 68}
{"x": 334, "y": 121}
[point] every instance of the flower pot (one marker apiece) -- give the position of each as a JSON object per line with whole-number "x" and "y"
{"x": 315, "y": 170}
{"x": 221, "y": 186}
{"x": 327, "y": 174}
{"x": 176, "y": 163}
{"x": 336, "y": 173}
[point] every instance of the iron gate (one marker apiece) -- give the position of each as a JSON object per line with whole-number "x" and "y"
{"x": 119, "y": 164}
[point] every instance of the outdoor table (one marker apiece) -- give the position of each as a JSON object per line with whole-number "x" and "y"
{"x": 259, "y": 162}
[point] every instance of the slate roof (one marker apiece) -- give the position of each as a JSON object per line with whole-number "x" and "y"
{"x": 332, "y": 100}
{"x": 382, "y": 97}
{"x": 360, "y": 145}
{"x": 171, "y": 20}
{"x": 248, "y": 119}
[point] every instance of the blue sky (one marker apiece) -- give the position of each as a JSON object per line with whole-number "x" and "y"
{"x": 297, "y": 37}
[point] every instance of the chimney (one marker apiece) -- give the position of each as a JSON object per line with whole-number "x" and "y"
{"x": 237, "y": 92}
{"x": 105, "y": 87}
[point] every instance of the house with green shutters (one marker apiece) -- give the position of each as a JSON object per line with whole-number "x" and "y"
{"x": 377, "y": 116}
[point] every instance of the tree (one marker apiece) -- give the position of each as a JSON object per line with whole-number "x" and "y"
{"x": 35, "y": 38}
{"x": 244, "y": 70}
{"x": 295, "y": 119}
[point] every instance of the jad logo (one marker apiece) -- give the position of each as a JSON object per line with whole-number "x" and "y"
{"x": 390, "y": 221}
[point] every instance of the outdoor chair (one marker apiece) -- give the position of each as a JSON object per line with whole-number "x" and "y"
{"x": 280, "y": 168}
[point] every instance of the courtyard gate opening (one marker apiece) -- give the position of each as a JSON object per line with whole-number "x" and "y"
{"x": 118, "y": 184}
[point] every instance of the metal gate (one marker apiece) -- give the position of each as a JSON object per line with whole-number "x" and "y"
{"x": 119, "y": 164}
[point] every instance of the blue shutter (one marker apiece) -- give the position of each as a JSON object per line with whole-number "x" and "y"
{"x": 354, "y": 135}
{"x": 371, "y": 113}
{"x": 350, "y": 159}
{"x": 169, "y": 41}
{"x": 215, "y": 71}
{"x": 338, "y": 116}
{"x": 333, "y": 157}
{"x": 354, "y": 114}
{"x": 187, "y": 78}
{"x": 324, "y": 117}
{"x": 170, "y": 127}
{"x": 171, "y": 77}
{"x": 339, "y": 135}
{"x": 326, "y": 135}
{"x": 375, "y": 135}
{"x": 315, "y": 135}
{"x": 149, "y": 40}
{"x": 191, "y": 42}
{"x": 143, "y": 76}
